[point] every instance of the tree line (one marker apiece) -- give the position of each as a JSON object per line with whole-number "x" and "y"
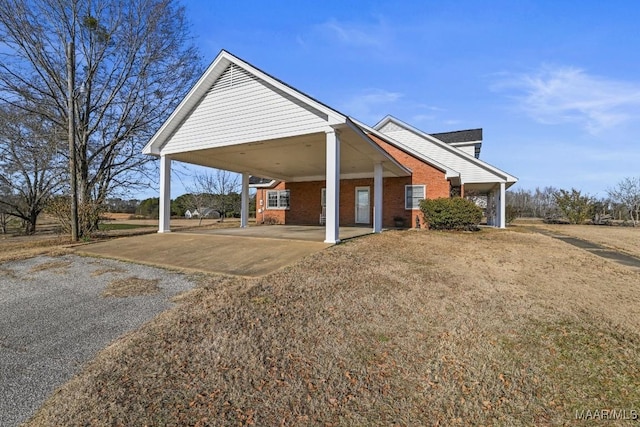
{"x": 621, "y": 204}
{"x": 221, "y": 195}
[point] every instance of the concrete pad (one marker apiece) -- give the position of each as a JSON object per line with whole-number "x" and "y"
{"x": 210, "y": 253}
{"x": 310, "y": 233}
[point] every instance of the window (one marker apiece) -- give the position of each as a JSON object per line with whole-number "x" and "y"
{"x": 323, "y": 198}
{"x": 412, "y": 196}
{"x": 278, "y": 199}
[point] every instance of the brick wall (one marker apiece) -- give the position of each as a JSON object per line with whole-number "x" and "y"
{"x": 306, "y": 196}
{"x": 421, "y": 174}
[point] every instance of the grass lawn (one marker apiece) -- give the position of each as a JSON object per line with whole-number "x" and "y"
{"x": 625, "y": 239}
{"x": 402, "y": 328}
{"x": 106, "y": 226}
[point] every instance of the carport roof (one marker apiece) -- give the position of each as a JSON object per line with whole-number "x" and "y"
{"x": 239, "y": 118}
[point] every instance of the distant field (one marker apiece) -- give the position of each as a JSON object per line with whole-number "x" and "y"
{"x": 496, "y": 327}
{"x": 117, "y": 216}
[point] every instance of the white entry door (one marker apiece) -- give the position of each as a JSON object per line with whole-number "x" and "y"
{"x": 362, "y": 205}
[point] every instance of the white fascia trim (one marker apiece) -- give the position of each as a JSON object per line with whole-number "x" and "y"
{"x": 452, "y": 149}
{"x": 265, "y": 185}
{"x": 449, "y": 173}
{"x": 191, "y": 99}
{"x": 194, "y": 96}
{"x": 386, "y": 119}
{"x": 461, "y": 144}
{"x": 358, "y": 130}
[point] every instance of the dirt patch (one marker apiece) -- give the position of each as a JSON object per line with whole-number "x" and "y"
{"x": 107, "y": 270}
{"x": 402, "y": 328}
{"x": 7, "y": 273}
{"x": 131, "y": 287}
{"x": 59, "y": 267}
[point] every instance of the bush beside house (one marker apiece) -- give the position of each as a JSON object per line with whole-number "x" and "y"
{"x": 451, "y": 214}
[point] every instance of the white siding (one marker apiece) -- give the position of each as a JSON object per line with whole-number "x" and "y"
{"x": 470, "y": 171}
{"x": 469, "y": 149}
{"x": 241, "y": 108}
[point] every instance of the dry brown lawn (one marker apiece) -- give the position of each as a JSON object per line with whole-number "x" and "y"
{"x": 131, "y": 287}
{"x": 625, "y": 239}
{"x": 14, "y": 248}
{"x": 403, "y": 328}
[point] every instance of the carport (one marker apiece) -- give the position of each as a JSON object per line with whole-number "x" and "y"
{"x": 240, "y": 119}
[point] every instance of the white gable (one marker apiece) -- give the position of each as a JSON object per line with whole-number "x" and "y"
{"x": 470, "y": 148}
{"x": 240, "y": 108}
{"x": 471, "y": 169}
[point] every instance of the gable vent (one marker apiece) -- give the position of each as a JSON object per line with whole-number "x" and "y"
{"x": 233, "y": 76}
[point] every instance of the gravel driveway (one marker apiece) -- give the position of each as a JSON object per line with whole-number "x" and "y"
{"x": 54, "y": 318}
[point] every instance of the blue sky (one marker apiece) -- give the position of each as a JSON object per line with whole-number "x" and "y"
{"x": 554, "y": 84}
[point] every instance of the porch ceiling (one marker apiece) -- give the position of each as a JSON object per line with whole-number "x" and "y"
{"x": 297, "y": 158}
{"x": 483, "y": 187}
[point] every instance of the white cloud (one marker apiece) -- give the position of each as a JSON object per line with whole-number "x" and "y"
{"x": 556, "y": 95}
{"x": 360, "y": 35}
{"x": 371, "y": 105}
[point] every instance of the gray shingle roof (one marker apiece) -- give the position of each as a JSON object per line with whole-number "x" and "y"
{"x": 468, "y": 135}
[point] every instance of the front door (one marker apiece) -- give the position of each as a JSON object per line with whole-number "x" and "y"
{"x": 362, "y": 205}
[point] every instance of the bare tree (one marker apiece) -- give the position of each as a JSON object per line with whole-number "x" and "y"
{"x": 539, "y": 203}
{"x": 218, "y": 190}
{"x": 5, "y": 210}
{"x": 30, "y": 165}
{"x": 627, "y": 193}
{"x": 135, "y": 61}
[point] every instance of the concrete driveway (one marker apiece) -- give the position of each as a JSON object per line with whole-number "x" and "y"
{"x": 54, "y": 319}
{"x": 222, "y": 251}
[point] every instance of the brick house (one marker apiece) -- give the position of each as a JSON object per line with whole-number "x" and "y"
{"x": 309, "y": 163}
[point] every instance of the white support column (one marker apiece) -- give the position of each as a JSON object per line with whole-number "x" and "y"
{"x": 488, "y": 209}
{"x": 502, "y": 201}
{"x": 165, "y": 194}
{"x": 496, "y": 206}
{"x": 332, "y": 223}
{"x": 244, "y": 206}
{"x": 377, "y": 198}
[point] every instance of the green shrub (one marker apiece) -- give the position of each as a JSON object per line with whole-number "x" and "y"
{"x": 451, "y": 214}
{"x": 575, "y": 206}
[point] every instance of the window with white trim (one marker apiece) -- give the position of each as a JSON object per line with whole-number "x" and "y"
{"x": 323, "y": 197}
{"x": 412, "y": 196}
{"x": 277, "y": 199}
